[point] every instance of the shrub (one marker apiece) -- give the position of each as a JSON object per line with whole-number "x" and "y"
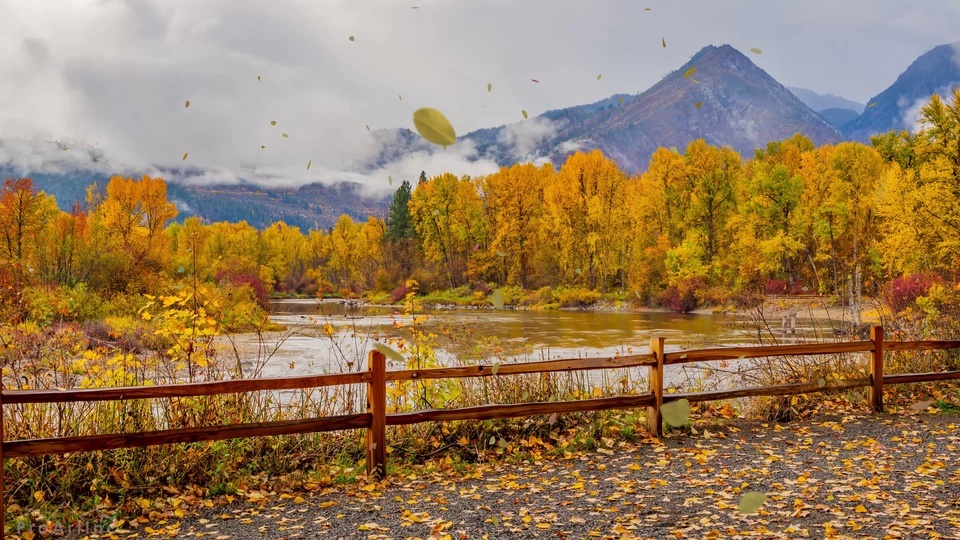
{"x": 682, "y": 297}
{"x": 541, "y": 296}
{"x": 577, "y": 297}
{"x": 256, "y": 285}
{"x": 903, "y": 292}
{"x": 775, "y": 286}
{"x": 398, "y": 294}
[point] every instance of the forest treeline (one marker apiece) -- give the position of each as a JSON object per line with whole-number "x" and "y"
{"x": 700, "y": 224}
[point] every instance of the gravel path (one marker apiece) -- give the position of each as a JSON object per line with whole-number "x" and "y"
{"x": 857, "y": 476}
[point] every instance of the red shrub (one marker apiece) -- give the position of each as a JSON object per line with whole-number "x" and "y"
{"x": 902, "y": 292}
{"x": 683, "y": 298}
{"x": 398, "y": 294}
{"x": 256, "y": 285}
{"x": 775, "y": 286}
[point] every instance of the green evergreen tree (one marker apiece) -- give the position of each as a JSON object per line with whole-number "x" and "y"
{"x": 399, "y": 224}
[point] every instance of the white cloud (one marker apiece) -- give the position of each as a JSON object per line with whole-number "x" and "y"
{"x": 522, "y": 138}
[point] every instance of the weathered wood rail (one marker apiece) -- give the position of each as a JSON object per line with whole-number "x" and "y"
{"x": 376, "y": 378}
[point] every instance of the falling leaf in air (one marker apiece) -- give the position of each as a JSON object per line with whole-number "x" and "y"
{"x": 578, "y": 271}
{"x": 273, "y": 122}
{"x": 553, "y": 419}
{"x": 415, "y": 7}
{"x": 664, "y": 41}
{"x": 389, "y": 352}
{"x": 262, "y": 146}
{"x": 874, "y": 104}
{"x": 621, "y": 101}
{"x": 598, "y": 76}
{"x": 187, "y": 104}
{"x": 489, "y": 87}
{"x": 751, "y": 502}
{"x": 493, "y": 440}
{"x": 284, "y": 135}
{"x": 308, "y": 164}
{"x": 756, "y": 50}
{"x": 821, "y": 382}
{"x": 501, "y": 254}
{"x": 698, "y": 104}
{"x": 185, "y": 154}
{"x": 65, "y": 148}
{"x": 647, "y": 9}
{"x": 495, "y": 368}
{"x": 676, "y": 413}
{"x": 534, "y": 80}
{"x": 368, "y": 126}
{"x": 524, "y": 114}
{"x": 689, "y": 72}
{"x": 434, "y": 127}
{"x": 258, "y": 77}
{"x": 497, "y": 299}
{"x": 390, "y": 180}
{"x": 351, "y": 38}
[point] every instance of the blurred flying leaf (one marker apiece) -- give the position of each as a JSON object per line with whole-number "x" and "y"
{"x": 258, "y": 77}
{"x": 647, "y": 9}
{"x": 489, "y": 87}
{"x": 874, "y": 104}
{"x": 399, "y": 96}
{"x": 501, "y": 254}
{"x": 493, "y": 440}
{"x": 598, "y": 76}
{"x": 351, "y": 38}
{"x": 676, "y": 413}
{"x": 390, "y": 180}
{"x": 185, "y": 154}
{"x": 495, "y": 368}
{"x": 502, "y": 443}
{"x": 578, "y": 271}
{"x": 65, "y": 148}
{"x": 262, "y": 146}
{"x": 497, "y": 299}
{"x": 534, "y": 80}
{"x": 273, "y": 122}
{"x": 690, "y": 72}
{"x": 524, "y": 396}
{"x": 698, "y": 104}
{"x": 621, "y": 101}
{"x": 389, "y": 352}
{"x": 308, "y": 164}
{"x": 553, "y": 419}
{"x": 434, "y": 127}
{"x": 187, "y": 104}
{"x": 284, "y": 135}
{"x": 524, "y": 114}
{"x": 821, "y": 382}
{"x": 664, "y": 41}
{"x": 368, "y": 126}
{"x": 755, "y": 50}
{"x": 751, "y": 502}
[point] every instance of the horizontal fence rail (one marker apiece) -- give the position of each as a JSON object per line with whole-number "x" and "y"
{"x": 376, "y": 377}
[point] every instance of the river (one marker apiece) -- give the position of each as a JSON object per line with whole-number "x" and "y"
{"x": 472, "y": 335}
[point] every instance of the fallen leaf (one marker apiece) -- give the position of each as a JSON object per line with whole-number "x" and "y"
{"x": 751, "y": 502}
{"x": 676, "y": 413}
{"x": 434, "y": 127}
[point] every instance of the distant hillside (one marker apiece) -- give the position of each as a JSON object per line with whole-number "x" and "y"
{"x": 313, "y": 206}
{"x": 936, "y": 71}
{"x": 822, "y": 102}
{"x": 839, "y": 117}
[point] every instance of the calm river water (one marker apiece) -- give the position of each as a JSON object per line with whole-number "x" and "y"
{"x": 472, "y": 335}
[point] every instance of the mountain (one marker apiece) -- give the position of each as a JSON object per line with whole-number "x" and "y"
{"x": 839, "y": 117}
{"x": 934, "y": 72}
{"x": 312, "y": 206}
{"x": 822, "y": 102}
{"x": 719, "y": 95}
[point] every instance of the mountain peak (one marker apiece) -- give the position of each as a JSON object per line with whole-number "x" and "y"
{"x": 936, "y": 71}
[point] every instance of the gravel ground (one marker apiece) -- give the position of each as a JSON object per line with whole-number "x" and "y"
{"x": 856, "y": 476}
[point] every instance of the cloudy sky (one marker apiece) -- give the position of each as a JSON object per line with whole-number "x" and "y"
{"x": 113, "y": 75}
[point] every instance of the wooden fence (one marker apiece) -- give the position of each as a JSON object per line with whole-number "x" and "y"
{"x": 376, "y": 418}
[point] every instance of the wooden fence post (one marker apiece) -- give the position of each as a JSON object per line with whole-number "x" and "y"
{"x": 3, "y": 509}
{"x": 876, "y": 369}
{"x": 377, "y": 406}
{"x": 655, "y": 379}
